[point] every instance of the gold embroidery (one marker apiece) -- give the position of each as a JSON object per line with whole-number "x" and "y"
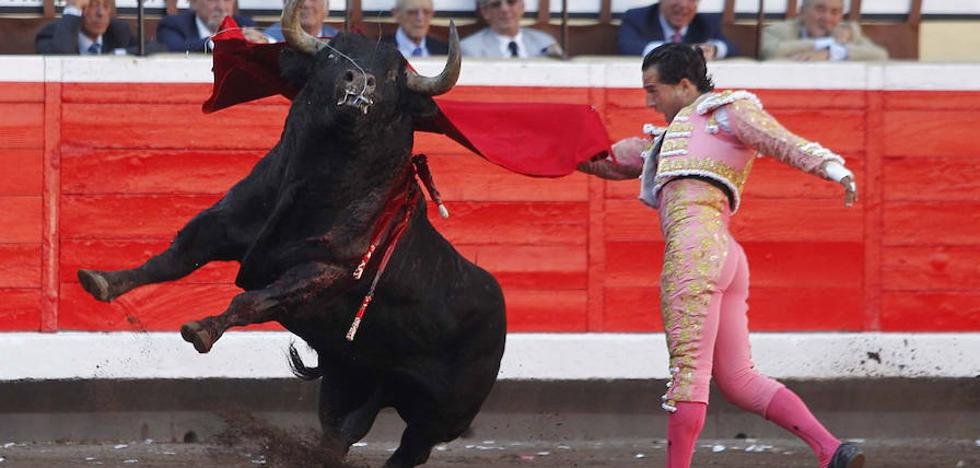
{"x": 696, "y": 246}
{"x": 716, "y": 100}
{"x": 678, "y": 128}
{"x": 712, "y": 125}
{"x": 703, "y": 165}
{"x": 669, "y": 146}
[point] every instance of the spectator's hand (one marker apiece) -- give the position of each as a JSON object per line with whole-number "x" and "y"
{"x": 812, "y": 56}
{"x": 553, "y": 50}
{"x": 710, "y": 51}
{"x": 843, "y": 34}
{"x": 254, "y": 35}
{"x": 80, "y": 4}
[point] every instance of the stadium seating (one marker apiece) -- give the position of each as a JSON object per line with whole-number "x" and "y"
{"x": 591, "y": 32}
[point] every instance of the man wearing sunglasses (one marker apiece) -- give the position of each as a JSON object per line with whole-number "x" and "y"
{"x": 505, "y": 37}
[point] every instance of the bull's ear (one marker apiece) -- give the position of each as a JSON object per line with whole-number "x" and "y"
{"x": 421, "y": 107}
{"x": 295, "y": 66}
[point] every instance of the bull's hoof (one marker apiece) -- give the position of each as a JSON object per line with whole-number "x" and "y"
{"x": 195, "y": 334}
{"x": 96, "y": 284}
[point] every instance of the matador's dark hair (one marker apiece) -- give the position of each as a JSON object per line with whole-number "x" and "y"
{"x": 675, "y": 62}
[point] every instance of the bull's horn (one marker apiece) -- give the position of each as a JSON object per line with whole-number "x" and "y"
{"x": 293, "y": 31}
{"x": 444, "y": 81}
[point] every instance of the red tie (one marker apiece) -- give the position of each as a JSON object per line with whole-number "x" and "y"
{"x": 676, "y": 37}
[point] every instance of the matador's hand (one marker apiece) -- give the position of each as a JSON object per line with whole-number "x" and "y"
{"x": 850, "y": 190}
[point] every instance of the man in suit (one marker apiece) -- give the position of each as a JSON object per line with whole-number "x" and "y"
{"x": 191, "y": 30}
{"x": 505, "y": 37}
{"x": 644, "y": 29}
{"x": 87, "y": 27}
{"x": 311, "y": 16}
{"x": 819, "y": 34}
{"x": 412, "y": 37}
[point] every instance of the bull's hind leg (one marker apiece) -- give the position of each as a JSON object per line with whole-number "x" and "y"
{"x": 350, "y": 400}
{"x": 205, "y": 238}
{"x": 418, "y": 439}
{"x": 299, "y": 285}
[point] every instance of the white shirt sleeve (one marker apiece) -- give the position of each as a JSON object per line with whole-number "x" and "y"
{"x": 837, "y": 172}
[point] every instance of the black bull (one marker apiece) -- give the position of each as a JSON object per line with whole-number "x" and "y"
{"x": 433, "y": 337}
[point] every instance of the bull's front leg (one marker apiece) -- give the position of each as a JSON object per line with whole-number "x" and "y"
{"x": 298, "y": 285}
{"x": 205, "y": 238}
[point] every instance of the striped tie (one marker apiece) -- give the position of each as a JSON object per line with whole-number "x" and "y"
{"x": 95, "y": 48}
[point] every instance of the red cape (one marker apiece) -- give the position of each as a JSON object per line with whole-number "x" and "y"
{"x": 535, "y": 139}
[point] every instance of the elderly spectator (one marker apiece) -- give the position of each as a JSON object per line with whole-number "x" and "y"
{"x": 311, "y": 17}
{"x": 819, "y": 34}
{"x": 678, "y": 21}
{"x": 412, "y": 37}
{"x": 87, "y": 27}
{"x": 505, "y": 37}
{"x": 191, "y": 30}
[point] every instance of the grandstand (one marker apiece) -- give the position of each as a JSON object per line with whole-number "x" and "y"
{"x": 909, "y": 29}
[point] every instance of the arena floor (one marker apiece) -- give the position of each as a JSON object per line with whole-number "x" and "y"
{"x": 204, "y": 423}
{"x": 730, "y": 453}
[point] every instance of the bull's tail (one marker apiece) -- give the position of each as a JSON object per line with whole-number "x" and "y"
{"x": 299, "y": 369}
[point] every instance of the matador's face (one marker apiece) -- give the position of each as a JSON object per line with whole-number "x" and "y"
{"x": 667, "y": 99}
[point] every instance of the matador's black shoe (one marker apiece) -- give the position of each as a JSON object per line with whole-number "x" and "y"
{"x": 847, "y": 456}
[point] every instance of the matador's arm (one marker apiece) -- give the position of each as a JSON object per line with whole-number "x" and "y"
{"x": 757, "y": 129}
{"x": 626, "y": 162}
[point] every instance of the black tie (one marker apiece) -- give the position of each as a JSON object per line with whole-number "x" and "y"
{"x": 512, "y": 46}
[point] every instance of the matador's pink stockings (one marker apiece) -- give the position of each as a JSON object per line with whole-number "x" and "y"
{"x": 789, "y": 411}
{"x": 683, "y": 428}
{"x": 726, "y": 334}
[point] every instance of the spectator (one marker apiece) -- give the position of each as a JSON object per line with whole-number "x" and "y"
{"x": 311, "y": 17}
{"x": 86, "y": 27}
{"x": 505, "y": 37}
{"x": 191, "y": 30}
{"x": 644, "y": 29}
{"x": 412, "y": 37}
{"x": 819, "y": 34}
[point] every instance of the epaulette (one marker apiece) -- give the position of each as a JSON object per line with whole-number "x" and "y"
{"x": 717, "y": 100}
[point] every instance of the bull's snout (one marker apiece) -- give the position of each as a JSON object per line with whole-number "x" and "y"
{"x": 358, "y": 89}
{"x": 355, "y": 80}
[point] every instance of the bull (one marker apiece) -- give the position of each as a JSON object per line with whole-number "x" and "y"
{"x": 338, "y": 186}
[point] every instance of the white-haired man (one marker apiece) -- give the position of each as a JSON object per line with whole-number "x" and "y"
{"x": 819, "y": 34}
{"x": 191, "y": 30}
{"x": 311, "y": 16}
{"x": 412, "y": 38}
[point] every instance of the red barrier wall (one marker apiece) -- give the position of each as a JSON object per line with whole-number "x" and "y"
{"x": 103, "y": 175}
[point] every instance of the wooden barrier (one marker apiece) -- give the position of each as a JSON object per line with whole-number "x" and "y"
{"x": 102, "y": 174}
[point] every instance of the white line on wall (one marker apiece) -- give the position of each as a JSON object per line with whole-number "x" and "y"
{"x": 547, "y": 356}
